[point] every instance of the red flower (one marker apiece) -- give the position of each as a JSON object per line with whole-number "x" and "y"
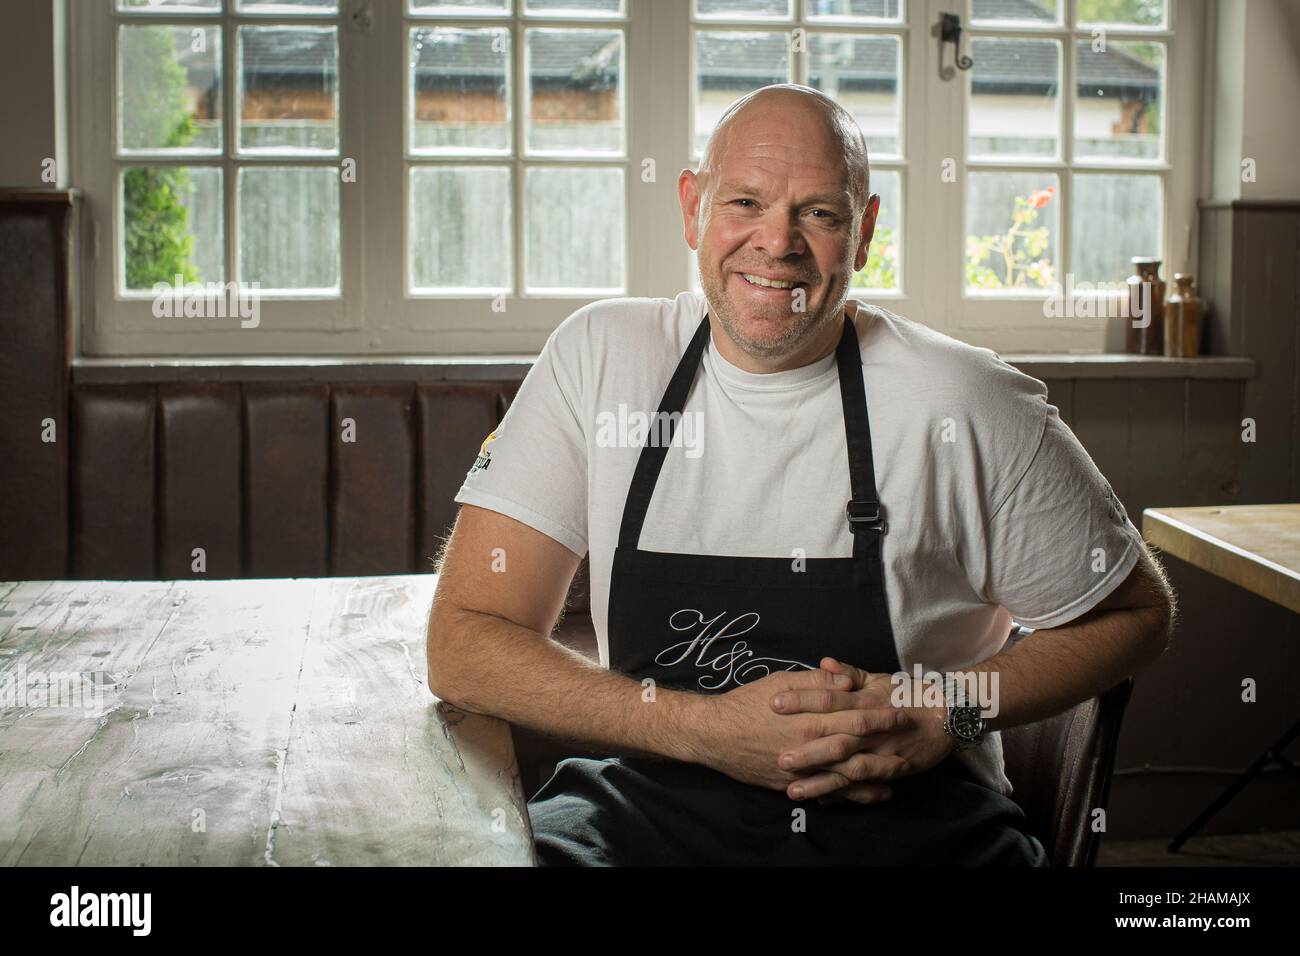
{"x": 1042, "y": 197}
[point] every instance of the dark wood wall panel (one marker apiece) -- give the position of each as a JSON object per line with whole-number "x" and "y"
{"x": 286, "y": 480}
{"x": 1101, "y": 423}
{"x": 1265, "y": 293}
{"x": 453, "y": 421}
{"x": 1215, "y": 452}
{"x": 1157, "y": 445}
{"x": 372, "y": 502}
{"x": 199, "y": 470}
{"x": 34, "y": 336}
{"x": 114, "y": 460}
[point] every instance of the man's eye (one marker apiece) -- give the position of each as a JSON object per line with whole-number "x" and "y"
{"x": 825, "y": 214}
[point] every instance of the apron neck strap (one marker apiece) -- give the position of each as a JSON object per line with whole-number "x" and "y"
{"x": 862, "y": 511}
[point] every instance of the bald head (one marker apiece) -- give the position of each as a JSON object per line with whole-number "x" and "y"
{"x": 793, "y": 101}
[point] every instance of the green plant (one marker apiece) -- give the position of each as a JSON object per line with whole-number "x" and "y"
{"x": 882, "y": 257}
{"x": 158, "y": 244}
{"x": 1015, "y": 259}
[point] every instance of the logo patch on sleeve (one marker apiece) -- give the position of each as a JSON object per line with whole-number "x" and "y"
{"x": 484, "y": 455}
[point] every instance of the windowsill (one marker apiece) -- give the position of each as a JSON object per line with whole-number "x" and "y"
{"x": 1119, "y": 365}
{"x": 1042, "y": 365}
{"x": 106, "y": 371}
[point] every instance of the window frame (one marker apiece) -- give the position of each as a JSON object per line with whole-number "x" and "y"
{"x": 1016, "y": 322}
{"x": 901, "y": 163}
{"x": 375, "y": 316}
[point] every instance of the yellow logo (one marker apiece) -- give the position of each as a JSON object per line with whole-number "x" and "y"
{"x": 484, "y": 456}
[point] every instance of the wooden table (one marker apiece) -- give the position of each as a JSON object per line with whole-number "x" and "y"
{"x": 266, "y": 722}
{"x": 1256, "y": 547}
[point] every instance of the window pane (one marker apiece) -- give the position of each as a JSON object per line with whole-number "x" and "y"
{"x": 1011, "y": 230}
{"x": 172, "y": 225}
{"x": 575, "y": 8}
{"x": 575, "y": 91}
{"x": 1114, "y": 218}
{"x": 461, "y": 229}
{"x": 743, "y": 9}
{"x": 169, "y": 6}
{"x": 575, "y": 228}
{"x": 169, "y": 88}
{"x": 861, "y": 73}
{"x": 882, "y": 268}
{"x": 854, "y": 9}
{"x": 289, "y": 7}
{"x": 730, "y": 65}
{"x": 460, "y": 89}
{"x": 1142, "y": 13}
{"x": 1119, "y": 110}
{"x": 288, "y": 79}
{"x": 1036, "y": 12}
{"x": 1014, "y": 103}
{"x": 461, "y": 7}
{"x": 289, "y": 227}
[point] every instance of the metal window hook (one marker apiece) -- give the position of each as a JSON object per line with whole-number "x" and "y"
{"x": 950, "y": 32}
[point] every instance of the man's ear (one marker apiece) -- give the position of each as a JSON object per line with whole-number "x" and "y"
{"x": 867, "y": 231}
{"x": 688, "y": 197}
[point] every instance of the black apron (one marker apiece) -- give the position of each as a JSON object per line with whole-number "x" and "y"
{"x": 710, "y": 623}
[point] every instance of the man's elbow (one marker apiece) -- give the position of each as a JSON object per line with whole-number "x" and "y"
{"x": 444, "y": 680}
{"x": 1157, "y": 629}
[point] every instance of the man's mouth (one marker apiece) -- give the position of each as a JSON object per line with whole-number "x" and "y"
{"x": 770, "y": 283}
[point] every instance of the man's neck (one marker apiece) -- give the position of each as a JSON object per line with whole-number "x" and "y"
{"x": 820, "y": 345}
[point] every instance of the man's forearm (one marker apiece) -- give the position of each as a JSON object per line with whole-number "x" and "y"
{"x": 488, "y": 665}
{"x": 1052, "y": 670}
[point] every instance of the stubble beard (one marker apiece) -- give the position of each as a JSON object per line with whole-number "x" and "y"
{"x": 793, "y": 335}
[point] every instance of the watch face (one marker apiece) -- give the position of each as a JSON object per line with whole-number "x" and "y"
{"x": 966, "y": 723}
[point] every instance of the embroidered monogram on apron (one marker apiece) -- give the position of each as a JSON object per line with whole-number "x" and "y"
{"x": 711, "y": 623}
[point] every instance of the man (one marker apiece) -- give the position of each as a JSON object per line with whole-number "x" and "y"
{"x": 826, "y": 495}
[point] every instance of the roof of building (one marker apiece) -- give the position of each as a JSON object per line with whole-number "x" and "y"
{"x": 589, "y": 59}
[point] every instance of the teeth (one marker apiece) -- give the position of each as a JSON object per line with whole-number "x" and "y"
{"x": 769, "y": 283}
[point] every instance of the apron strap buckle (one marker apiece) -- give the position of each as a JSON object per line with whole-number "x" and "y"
{"x": 864, "y": 515}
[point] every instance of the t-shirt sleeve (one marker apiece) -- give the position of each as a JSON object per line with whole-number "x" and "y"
{"x": 533, "y": 467}
{"x": 1061, "y": 541}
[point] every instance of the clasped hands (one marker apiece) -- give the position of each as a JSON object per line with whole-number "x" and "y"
{"x": 832, "y": 733}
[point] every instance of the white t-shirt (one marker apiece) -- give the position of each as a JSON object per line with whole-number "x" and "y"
{"x": 995, "y": 510}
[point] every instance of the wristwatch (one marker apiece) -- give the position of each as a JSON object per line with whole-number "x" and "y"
{"x": 964, "y": 723}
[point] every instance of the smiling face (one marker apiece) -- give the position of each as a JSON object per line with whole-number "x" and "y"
{"x": 772, "y": 215}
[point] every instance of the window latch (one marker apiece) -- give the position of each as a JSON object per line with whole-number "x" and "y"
{"x": 950, "y": 32}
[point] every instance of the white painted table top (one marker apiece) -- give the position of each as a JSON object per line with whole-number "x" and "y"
{"x": 250, "y": 722}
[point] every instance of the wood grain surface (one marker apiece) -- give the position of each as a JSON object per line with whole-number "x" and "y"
{"x": 254, "y": 722}
{"x": 1254, "y": 546}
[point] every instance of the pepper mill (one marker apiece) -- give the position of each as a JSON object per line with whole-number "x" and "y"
{"x": 1146, "y": 289}
{"x": 1183, "y": 318}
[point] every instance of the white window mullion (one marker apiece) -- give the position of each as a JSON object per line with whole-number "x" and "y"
{"x": 229, "y": 130}
{"x": 936, "y": 261}
{"x": 518, "y": 98}
{"x": 1068, "y": 97}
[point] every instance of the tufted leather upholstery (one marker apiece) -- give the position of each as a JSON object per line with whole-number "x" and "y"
{"x": 1060, "y": 768}
{"x": 266, "y": 479}
{"x": 114, "y": 466}
{"x": 286, "y": 480}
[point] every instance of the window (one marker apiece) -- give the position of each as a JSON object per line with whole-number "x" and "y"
{"x": 1065, "y": 147}
{"x": 513, "y": 182}
{"x": 253, "y": 196}
{"x": 441, "y": 177}
{"x": 851, "y": 50}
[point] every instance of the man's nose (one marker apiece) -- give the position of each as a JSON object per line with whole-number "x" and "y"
{"x": 778, "y": 235}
